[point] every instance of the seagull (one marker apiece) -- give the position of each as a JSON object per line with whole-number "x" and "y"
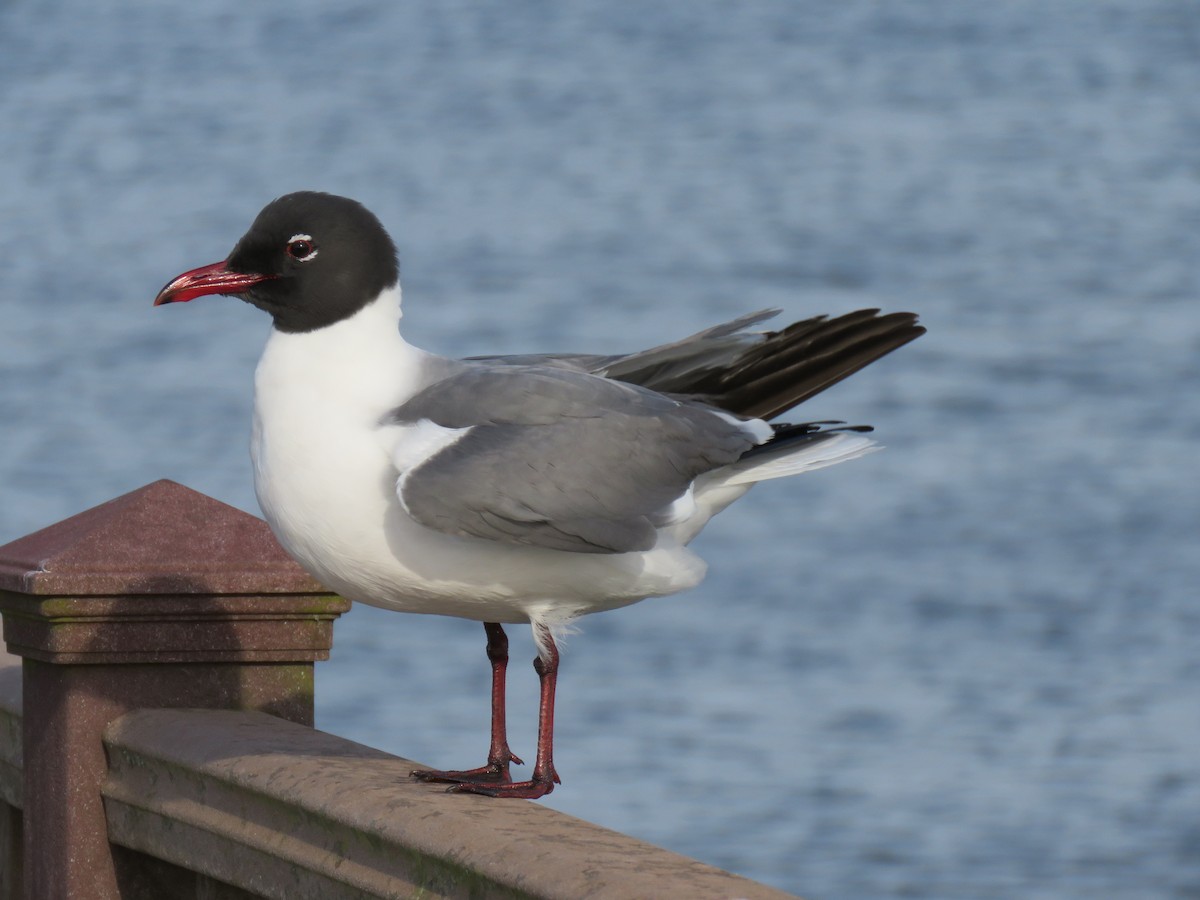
{"x": 506, "y": 489}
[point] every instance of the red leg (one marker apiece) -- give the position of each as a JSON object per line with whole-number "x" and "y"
{"x": 543, "y": 778}
{"x": 499, "y": 756}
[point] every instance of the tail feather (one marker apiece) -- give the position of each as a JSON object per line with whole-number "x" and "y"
{"x": 801, "y": 453}
{"x": 789, "y": 454}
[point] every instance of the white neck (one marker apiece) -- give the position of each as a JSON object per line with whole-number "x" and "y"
{"x": 360, "y": 365}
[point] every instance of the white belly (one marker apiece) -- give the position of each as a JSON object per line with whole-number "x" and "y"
{"x": 336, "y": 511}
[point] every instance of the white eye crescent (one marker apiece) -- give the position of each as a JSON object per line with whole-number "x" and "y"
{"x": 301, "y": 247}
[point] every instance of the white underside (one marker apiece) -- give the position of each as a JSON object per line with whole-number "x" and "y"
{"x": 326, "y": 477}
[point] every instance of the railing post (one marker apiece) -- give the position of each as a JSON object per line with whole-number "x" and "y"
{"x": 162, "y": 597}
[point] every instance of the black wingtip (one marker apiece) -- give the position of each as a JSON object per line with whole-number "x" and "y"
{"x": 808, "y": 357}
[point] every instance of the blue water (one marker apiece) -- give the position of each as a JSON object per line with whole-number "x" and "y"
{"x": 966, "y": 667}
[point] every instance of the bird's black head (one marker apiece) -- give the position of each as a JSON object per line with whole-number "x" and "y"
{"x": 309, "y": 259}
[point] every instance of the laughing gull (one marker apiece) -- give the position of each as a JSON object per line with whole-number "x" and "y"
{"x": 506, "y": 489}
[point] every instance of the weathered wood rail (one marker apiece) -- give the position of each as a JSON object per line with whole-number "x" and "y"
{"x": 156, "y": 740}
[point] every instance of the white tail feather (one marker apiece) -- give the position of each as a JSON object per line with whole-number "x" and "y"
{"x": 716, "y": 490}
{"x": 836, "y": 448}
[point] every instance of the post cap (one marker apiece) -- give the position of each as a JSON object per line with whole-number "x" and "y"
{"x": 161, "y": 575}
{"x": 163, "y": 538}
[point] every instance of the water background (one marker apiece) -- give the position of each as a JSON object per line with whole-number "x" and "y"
{"x": 966, "y": 667}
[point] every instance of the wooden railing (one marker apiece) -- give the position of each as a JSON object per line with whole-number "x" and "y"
{"x": 156, "y": 739}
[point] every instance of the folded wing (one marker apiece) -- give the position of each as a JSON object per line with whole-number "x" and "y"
{"x": 557, "y": 458}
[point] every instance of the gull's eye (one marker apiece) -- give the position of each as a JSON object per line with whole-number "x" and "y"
{"x": 301, "y": 247}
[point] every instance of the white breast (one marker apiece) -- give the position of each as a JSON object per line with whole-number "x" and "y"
{"x": 322, "y": 470}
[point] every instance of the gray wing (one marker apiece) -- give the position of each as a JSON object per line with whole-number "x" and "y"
{"x": 560, "y": 459}
{"x": 758, "y": 374}
{"x": 663, "y": 368}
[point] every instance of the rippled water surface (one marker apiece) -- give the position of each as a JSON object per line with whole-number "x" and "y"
{"x": 966, "y": 667}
